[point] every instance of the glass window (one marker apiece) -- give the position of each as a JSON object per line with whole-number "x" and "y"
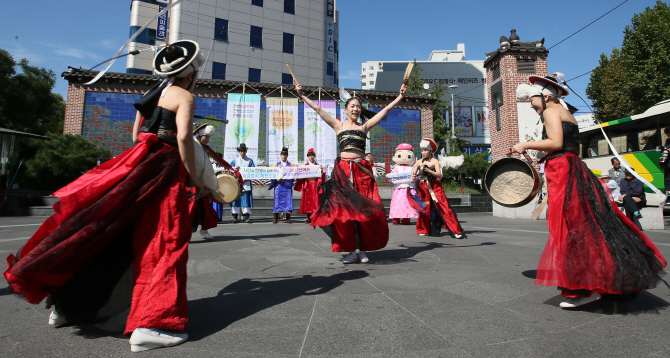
{"x": 221, "y": 29}
{"x": 363, "y": 69}
{"x": 288, "y": 43}
{"x": 372, "y": 82}
{"x": 286, "y": 79}
{"x": 257, "y": 2}
{"x": 371, "y": 68}
{"x": 372, "y": 75}
{"x": 336, "y": 81}
{"x": 256, "y": 37}
{"x": 218, "y": 71}
{"x": 254, "y": 75}
{"x": 329, "y": 68}
{"x": 289, "y": 6}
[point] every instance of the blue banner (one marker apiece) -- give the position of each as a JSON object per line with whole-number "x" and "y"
{"x": 161, "y": 29}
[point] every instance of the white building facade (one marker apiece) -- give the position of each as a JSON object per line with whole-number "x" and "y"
{"x": 250, "y": 40}
{"x": 450, "y": 68}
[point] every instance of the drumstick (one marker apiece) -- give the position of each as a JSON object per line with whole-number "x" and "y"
{"x": 408, "y": 73}
{"x": 292, "y": 75}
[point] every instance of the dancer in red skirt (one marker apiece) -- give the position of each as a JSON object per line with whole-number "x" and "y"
{"x": 437, "y": 214}
{"x": 593, "y": 247}
{"x": 350, "y": 209}
{"x": 120, "y": 234}
{"x": 309, "y": 202}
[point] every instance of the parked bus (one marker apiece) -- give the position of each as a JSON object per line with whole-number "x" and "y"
{"x": 637, "y": 139}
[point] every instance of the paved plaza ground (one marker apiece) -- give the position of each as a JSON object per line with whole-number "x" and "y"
{"x": 264, "y": 290}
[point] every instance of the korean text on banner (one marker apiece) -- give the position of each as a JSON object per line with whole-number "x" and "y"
{"x": 257, "y": 173}
{"x": 282, "y": 128}
{"x": 400, "y": 178}
{"x": 306, "y": 171}
{"x": 161, "y": 28}
{"x": 243, "y": 112}
{"x": 319, "y": 135}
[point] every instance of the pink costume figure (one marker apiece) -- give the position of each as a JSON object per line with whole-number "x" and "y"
{"x": 401, "y": 210}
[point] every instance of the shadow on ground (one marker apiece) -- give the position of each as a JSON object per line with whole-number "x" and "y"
{"x": 396, "y": 256}
{"x": 633, "y": 304}
{"x": 247, "y": 297}
{"x": 242, "y": 237}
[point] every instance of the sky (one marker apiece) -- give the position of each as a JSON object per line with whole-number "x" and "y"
{"x": 58, "y": 34}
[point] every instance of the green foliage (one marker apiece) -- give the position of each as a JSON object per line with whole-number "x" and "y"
{"x": 637, "y": 76}
{"x": 58, "y": 161}
{"x": 474, "y": 167}
{"x": 415, "y": 84}
{"x": 26, "y": 101}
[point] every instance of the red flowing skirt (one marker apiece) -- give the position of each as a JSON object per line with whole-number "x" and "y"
{"x": 309, "y": 202}
{"x": 131, "y": 211}
{"x": 436, "y": 215}
{"x": 592, "y": 244}
{"x": 202, "y": 213}
{"x": 351, "y": 213}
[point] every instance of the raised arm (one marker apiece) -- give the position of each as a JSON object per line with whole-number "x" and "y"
{"x": 332, "y": 122}
{"x": 379, "y": 116}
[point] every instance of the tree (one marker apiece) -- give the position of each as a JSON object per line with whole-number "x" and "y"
{"x": 637, "y": 76}
{"x": 59, "y": 160}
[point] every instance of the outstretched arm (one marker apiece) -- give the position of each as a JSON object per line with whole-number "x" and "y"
{"x": 332, "y": 122}
{"x": 379, "y": 116}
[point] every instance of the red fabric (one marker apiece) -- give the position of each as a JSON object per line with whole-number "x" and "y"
{"x": 423, "y": 222}
{"x": 309, "y": 202}
{"x": 347, "y": 222}
{"x": 160, "y": 246}
{"x": 404, "y": 221}
{"x": 577, "y": 255}
{"x": 201, "y": 212}
{"x": 143, "y": 188}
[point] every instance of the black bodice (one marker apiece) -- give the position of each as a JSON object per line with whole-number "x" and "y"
{"x": 431, "y": 167}
{"x": 570, "y": 137}
{"x": 163, "y": 123}
{"x": 352, "y": 139}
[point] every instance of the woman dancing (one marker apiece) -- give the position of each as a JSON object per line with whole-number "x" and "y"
{"x": 350, "y": 209}
{"x": 438, "y": 213}
{"x": 593, "y": 247}
{"x": 119, "y": 237}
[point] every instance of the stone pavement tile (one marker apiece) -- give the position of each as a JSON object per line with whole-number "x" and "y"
{"x": 466, "y": 321}
{"x": 439, "y": 275}
{"x": 494, "y": 287}
{"x": 367, "y": 325}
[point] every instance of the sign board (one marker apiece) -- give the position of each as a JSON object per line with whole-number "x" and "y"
{"x": 400, "y": 178}
{"x": 269, "y": 173}
{"x": 161, "y": 28}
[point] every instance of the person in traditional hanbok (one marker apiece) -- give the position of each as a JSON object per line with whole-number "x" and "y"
{"x": 309, "y": 187}
{"x": 117, "y": 244}
{"x": 245, "y": 202}
{"x": 437, "y": 213}
{"x": 283, "y": 191}
{"x": 401, "y": 210}
{"x": 593, "y": 248}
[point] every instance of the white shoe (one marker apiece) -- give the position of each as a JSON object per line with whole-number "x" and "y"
{"x": 351, "y": 258}
{"x": 364, "y": 257}
{"x": 144, "y": 339}
{"x": 458, "y": 236}
{"x": 574, "y": 302}
{"x": 206, "y": 235}
{"x": 55, "y": 319}
{"x": 422, "y": 234}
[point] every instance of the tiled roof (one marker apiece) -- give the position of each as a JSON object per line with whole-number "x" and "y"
{"x": 513, "y": 44}
{"x": 83, "y": 75}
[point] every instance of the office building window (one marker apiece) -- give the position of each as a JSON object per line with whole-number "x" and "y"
{"x": 256, "y": 38}
{"x": 254, "y": 75}
{"x": 363, "y": 69}
{"x": 288, "y": 43}
{"x": 335, "y": 75}
{"x": 371, "y": 68}
{"x": 289, "y": 6}
{"x": 218, "y": 71}
{"x": 372, "y": 75}
{"x": 221, "y": 29}
{"x": 257, "y": 2}
{"x": 363, "y": 84}
{"x": 329, "y": 68}
{"x": 286, "y": 79}
{"x": 372, "y": 82}
{"x": 147, "y": 36}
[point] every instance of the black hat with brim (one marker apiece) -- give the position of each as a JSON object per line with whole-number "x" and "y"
{"x": 172, "y": 60}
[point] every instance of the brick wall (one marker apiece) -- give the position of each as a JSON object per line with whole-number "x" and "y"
{"x": 74, "y": 109}
{"x": 427, "y": 121}
{"x": 508, "y": 136}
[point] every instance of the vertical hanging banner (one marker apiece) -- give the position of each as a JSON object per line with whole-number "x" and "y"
{"x": 282, "y": 128}
{"x": 344, "y": 117}
{"x": 243, "y": 113}
{"x": 161, "y": 28}
{"x": 319, "y": 135}
{"x": 482, "y": 123}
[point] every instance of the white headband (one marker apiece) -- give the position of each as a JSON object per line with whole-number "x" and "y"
{"x": 208, "y": 130}
{"x": 525, "y": 91}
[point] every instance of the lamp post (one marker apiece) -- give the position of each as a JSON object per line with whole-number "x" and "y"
{"x": 453, "y": 129}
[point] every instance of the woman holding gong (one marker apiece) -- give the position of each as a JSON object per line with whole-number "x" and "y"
{"x": 593, "y": 248}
